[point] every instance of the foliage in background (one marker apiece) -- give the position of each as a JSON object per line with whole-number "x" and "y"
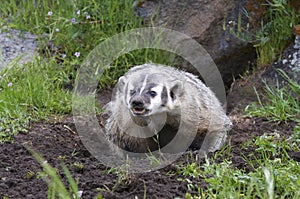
{"x": 274, "y": 34}
{"x": 69, "y": 30}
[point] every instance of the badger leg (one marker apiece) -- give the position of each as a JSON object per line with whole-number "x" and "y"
{"x": 213, "y": 141}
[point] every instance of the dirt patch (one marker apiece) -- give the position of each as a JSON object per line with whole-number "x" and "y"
{"x": 58, "y": 142}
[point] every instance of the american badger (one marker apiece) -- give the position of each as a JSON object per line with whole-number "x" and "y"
{"x": 153, "y": 103}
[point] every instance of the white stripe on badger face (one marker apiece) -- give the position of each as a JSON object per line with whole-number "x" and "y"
{"x": 156, "y": 102}
{"x": 144, "y": 84}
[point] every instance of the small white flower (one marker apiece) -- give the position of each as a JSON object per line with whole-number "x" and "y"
{"x": 50, "y": 13}
{"x": 88, "y": 16}
{"x": 80, "y": 193}
{"x": 57, "y": 29}
{"x": 77, "y": 54}
{"x": 64, "y": 56}
{"x": 78, "y": 12}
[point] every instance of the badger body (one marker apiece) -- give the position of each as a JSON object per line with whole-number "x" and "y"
{"x": 151, "y": 103}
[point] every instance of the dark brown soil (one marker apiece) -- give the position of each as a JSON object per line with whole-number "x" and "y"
{"x": 58, "y": 142}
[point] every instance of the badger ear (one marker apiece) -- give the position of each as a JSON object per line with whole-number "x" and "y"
{"x": 121, "y": 81}
{"x": 121, "y": 84}
{"x": 176, "y": 89}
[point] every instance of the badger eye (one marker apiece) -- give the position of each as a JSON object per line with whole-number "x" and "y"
{"x": 152, "y": 93}
{"x": 172, "y": 95}
{"x": 132, "y": 92}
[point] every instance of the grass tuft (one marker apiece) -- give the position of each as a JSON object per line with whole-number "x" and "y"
{"x": 31, "y": 92}
{"x": 272, "y": 175}
{"x": 280, "y": 105}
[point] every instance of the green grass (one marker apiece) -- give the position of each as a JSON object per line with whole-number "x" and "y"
{"x": 276, "y": 30}
{"x": 29, "y": 93}
{"x": 273, "y": 175}
{"x": 94, "y": 21}
{"x": 275, "y": 33}
{"x": 280, "y": 104}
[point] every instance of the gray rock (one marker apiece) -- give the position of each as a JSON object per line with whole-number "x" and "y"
{"x": 291, "y": 67}
{"x": 16, "y": 47}
{"x": 204, "y": 21}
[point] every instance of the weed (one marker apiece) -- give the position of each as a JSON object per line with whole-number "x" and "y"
{"x": 10, "y": 126}
{"x": 295, "y": 139}
{"x": 266, "y": 143}
{"x": 56, "y": 188}
{"x": 189, "y": 170}
{"x": 29, "y": 174}
{"x": 124, "y": 177}
{"x": 78, "y": 166}
{"x": 154, "y": 161}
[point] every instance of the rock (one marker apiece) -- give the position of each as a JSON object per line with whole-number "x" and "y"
{"x": 206, "y": 21}
{"x": 16, "y": 46}
{"x": 290, "y": 65}
{"x": 242, "y": 92}
{"x": 295, "y": 155}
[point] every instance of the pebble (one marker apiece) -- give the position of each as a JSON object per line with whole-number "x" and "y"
{"x": 293, "y": 59}
{"x": 293, "y": 62}
{"x": 284, "y": 61}
{"x": 16, "y": 47}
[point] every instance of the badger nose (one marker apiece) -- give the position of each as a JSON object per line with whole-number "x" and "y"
{"x": 137, "y": 103}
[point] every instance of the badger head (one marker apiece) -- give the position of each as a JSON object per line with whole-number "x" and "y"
{"x": 150, "y": 94}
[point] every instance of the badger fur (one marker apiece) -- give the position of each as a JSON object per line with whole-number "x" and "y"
{"x": 152, "y": 103}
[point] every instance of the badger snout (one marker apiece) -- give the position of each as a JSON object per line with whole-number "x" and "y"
{"x": 138, "y": 106}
